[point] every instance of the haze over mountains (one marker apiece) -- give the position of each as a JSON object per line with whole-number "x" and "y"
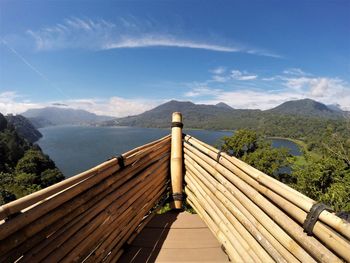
{"x": 51, "y": 116}
{"x": 219, "y": 116}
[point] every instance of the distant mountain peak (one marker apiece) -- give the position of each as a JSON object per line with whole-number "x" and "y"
{"x": 223, "y": 105}
{"x": 62, "y": 116}
{"x": 306, "y": 107}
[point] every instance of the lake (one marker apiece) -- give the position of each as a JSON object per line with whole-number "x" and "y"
{"x": 78, "y": 148}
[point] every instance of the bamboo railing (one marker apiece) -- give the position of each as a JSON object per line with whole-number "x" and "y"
{"x": 91, "y": 216}
{"x": 255, "y": 217}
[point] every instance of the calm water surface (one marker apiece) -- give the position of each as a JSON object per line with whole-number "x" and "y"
{"x": 77, "y": 148}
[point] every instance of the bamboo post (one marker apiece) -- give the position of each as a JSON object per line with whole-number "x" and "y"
{"x": 176, "y": 159}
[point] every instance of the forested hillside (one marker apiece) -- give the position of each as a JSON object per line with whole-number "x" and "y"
{"x": 291, "y": 119}
{"x": 24, "y": 168}
{"x": 24, "y": 127}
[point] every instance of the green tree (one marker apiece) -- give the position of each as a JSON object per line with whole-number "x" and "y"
{"x": 34, "y": 162}
{"x": 50, "y": 177}
{"x": 256, "y": 151}
{"x": 242, "y": 142}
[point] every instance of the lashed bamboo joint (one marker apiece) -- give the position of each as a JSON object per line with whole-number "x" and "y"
{"x": 92, "y": 216}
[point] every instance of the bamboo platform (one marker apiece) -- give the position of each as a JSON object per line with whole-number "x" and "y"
{"x": 175, "y": 237}
{"x": 109, "y": 213}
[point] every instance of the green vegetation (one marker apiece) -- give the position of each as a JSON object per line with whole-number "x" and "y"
{"x": 24, "y": 169}
{"x": 258, "y": 152}
{"x": 322, "y": 173}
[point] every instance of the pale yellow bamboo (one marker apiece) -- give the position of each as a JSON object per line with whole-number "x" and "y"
{"x": 108, "y": 241}
{"x": 332, "y": 239}
{"x": 135, "y": 203}
{"x": 272, "y": 246}
{"x": 57, "y": 239}
{"x": 230, "y": 249}
{"x": 25, "y": 218}
{"x": 258, "y": 250}
{"x": 118, "y": 239}
{"x": 310, "y": 244}
{"x": 257, "y": 211}
{"x": 128, "y": 230}
{"x": 19, "y": 204}
{"x": 72, "y": 205}
{"x": 176, "y": 159}
{"x": 110, "y": 184}
{"x": 221, "y": 222}
{"x": 125, "y": 196}
{"x": 287, "y": 192}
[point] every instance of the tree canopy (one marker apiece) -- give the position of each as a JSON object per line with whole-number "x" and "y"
{"x": 24, "y": 168}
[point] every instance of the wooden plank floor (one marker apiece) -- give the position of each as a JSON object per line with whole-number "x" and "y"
{"x": 175, "y": 237}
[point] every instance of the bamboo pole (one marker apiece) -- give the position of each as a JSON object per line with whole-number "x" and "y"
{"x": 57, "y": 199}
{"x": 104, "y": 205}
{"x": 332, "y": 239}
{"x": 114, "y": 237}
{"x": 310, "y": 244}
{"x": 134, "y": 204}
{"x": 297, "y": 198}
{"x": 70, "y": 210}
{"x": 102, "y": 248}
{"x": 19, "y": 204}
{"x": 176, "y": 159}
{"x": 117, "y": 243}
{"x": 242, "y": 247}
{"x": 222, "y": 238}
{"x": 253, "y": 208}
{"x": 254, "y": 245}
{"x": 62, "y": 211}
{"x": 270, "y": 244}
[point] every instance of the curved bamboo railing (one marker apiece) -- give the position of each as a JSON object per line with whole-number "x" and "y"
{"x": 255, "y": 217}
{"x": 90, "y": 216}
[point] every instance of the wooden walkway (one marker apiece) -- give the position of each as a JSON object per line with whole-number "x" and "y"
{"x": 175, "y": 237}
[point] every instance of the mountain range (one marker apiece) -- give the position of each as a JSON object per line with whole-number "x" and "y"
{"x": 222, "y": 116}
{"x": 219, "y": 116}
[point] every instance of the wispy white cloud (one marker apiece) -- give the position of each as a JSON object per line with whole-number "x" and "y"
{"x": 270, "y": 91}
{"x": 221, "y": 75}
{"x": 318, "y": 87}
{"x": 218, "y": 70}
{"x": 100, "y": 34}
{"x": 202, "y": 91}
{"x": 295, "y": 72}
{"x": 165, "y": 41}
{"x": 238, "y": 75}
{"x": 262, "y": 52}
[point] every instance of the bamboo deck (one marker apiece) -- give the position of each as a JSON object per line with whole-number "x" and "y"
{"x": 175, "y": 237}
{"x": 108, "y": 213}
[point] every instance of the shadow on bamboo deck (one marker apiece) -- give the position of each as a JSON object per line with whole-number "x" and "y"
{"x": 175, "y": 237}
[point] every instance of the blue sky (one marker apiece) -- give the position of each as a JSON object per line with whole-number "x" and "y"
{"x": 125, "y": 57}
